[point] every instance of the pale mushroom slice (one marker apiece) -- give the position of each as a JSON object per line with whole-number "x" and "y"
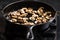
{"x": 47, "y": 17}
{"x": 25, "y": 19}
{"x": 34, "y": 15}
{"x": 34, "y": 11}
{"x": 38, "y": 22}
{"x": 29, "y": 10}
{"x": 23, "y": 10}
{"x": 29, "y": 23}
{"x": 24, "y": 15}
{"x": 13, "y": 20}
{"x": 44, "y": 14}
{"x": 13, "y": 16}
{"x": 32, "y": 18}
{"x": 39, "y": 18}
{"x": 44, "y": 20}
{"x": 20, "y": 21}
{"x": 40, "y": 10}
{"x": 19, "y": 18}
{"x": 14, "y": 13}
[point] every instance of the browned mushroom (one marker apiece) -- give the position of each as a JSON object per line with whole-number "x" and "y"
{"x": 40, "y": 10}
{"x": 38, "y": 21}
{"x": 44, "y": 20}
{"x": 29, "y": 10}
{"x": 28, "y": 16}
{"x": 13, "y": 20}
{"x": 29, "y": 23}
{"x": 32, "y": 18}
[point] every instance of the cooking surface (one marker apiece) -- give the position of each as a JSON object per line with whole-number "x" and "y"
{"x": 50, "y": 34}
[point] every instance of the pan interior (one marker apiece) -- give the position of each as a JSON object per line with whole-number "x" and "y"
{"x": 33, "y": 4}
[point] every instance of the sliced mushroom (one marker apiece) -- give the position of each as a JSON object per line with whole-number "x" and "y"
{"x": 39, "y": 18}
{"x": 14, "y": 13}
{"x": 14, "y": 16}
{"x": 13, "y": 20}
{"x": 44, "y": 20}
{"x": 44, "y": 14}
{"x": 24, "y": 15}
{"x": 20, "y": 21}
{"x": 49, "y": 12}
{"x": 34, "y": 11}
{"x": 25, "y": 19}
{"x": 29, "y": 10}
{"x": 38, "y": 21}
{"x": 18, "y": 14}
{"x": 22, "y": 11}
{"x": 50, "y": 15}
{"x": 47, "y": 17}
{"x": 34, "y": 15}
{"x": 32, "y": 18}
{"x": 19, "y": 18}
{"x": 40, "y": 10}
{"x": 29, "y": 23}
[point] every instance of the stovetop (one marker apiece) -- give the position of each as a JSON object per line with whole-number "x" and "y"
{"x": 49, "y": 34}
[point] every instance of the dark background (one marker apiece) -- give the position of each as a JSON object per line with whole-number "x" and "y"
{"x": 54, "y": 3}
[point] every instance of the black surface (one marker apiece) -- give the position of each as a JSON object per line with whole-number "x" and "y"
{"x": 53, "y": 3}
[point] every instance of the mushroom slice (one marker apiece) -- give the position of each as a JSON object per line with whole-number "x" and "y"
{"x": 44, "y": 14}
{"x": 29, "y": 10}
{"x": 20, "y": 21}
{"x": 39, "y": 18}
{"x": 34, "y": 11}
{"x": 14, "y": 16}
{"x": 49, "y": 12}
{"x": 34, "y": 15}
{"x": 24, "y": 8}
{"x": 14, "y": 13}
{"x": 48, "y": 17}
{"x": 25, "y": 19}
{"x": 32, "y": 18}
{"x": 24, "y": 15}
{"x": 18, "y": 14}
{"x": 13, "y": 20}
{"x": 29, "y": 23}
{"x": 40, "y": 10}
{"x": 38, "y": 21}
{"x": 19, "y": 18}
{"x": 44, "y": 20}
{"x": 22, "y": 11}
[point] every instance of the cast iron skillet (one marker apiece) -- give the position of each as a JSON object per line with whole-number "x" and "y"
{"x": 33, "y": 4}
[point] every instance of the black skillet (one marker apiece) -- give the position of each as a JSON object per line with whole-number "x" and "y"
{"x": 33, "y": 4}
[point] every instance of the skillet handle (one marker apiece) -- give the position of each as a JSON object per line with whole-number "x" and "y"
{"x": 30, "y": 35}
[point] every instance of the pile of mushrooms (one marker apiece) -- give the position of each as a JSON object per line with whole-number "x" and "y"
{"x": 28, "y": 16}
